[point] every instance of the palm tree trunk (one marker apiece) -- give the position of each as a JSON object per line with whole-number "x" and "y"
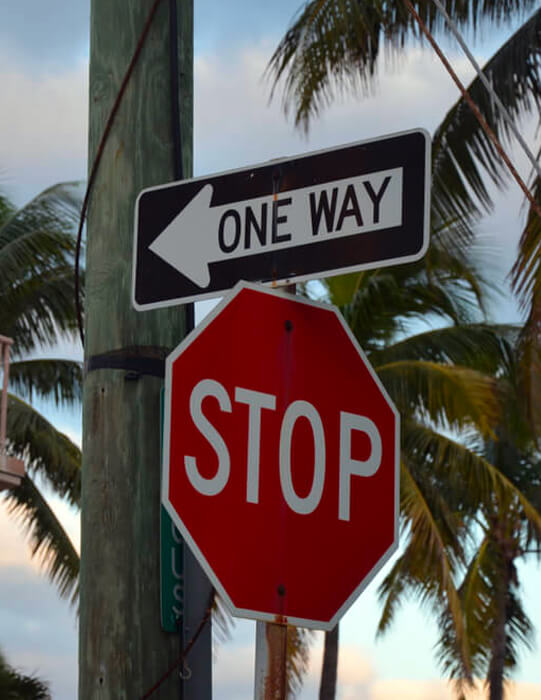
{"x": 327, "y": 687}
{"x": 499, "y": 640}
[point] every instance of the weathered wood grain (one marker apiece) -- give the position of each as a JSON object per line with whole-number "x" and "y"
{"x": 122, "y": 648}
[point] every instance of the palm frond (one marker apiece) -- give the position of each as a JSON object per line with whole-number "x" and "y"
{"x": 40, "y": 310}
{"x": 56, "y": 208}
{"x": 386, "y": 301}
{"x": 18, "y": 686}
{"x": 44, "y": 449}
{"x": 451, "y": 263}
{"x": 462, "y": 151}
{"x": 39, "y": 236}
{"x": 436, "y": 530}
{"x": 60, "y": 379}
{"x": 373, "y": 313}
{"x": 472, "y": 595}
{"x": 392, "y": 593}
{"x": 526, "y": 272}
{"x": 222, "y": 621}
{"x": 379, "y": 304}
{"x": 49, "y": 540}
{"x": 37, "y": 246}
{"x": 488, "y": 596}
{"x": 466, "y": 477}
{"x": 27, "y": 251}
{"x": 450, "y": 396}
{"x": 529, "y": 353}
{"x": 335, "y": 44}
{"x": 341, "y": 289}
{"x": 482, "y": 347}
{"x": 297, "y": 658}
{"x": 428, "y": 564}
{"x": 7, "y": 208}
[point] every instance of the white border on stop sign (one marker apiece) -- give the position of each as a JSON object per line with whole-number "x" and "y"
{"x": 188, "y": 340}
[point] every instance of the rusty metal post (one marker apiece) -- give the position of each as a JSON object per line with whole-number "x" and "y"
{"x": 271, "y": 639}
{"x": 270, "y": 661}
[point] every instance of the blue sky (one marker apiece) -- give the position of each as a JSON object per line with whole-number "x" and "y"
{"x": 43, "y": 81}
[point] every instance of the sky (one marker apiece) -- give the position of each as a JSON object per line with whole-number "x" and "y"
{"x": 43, "y": 123}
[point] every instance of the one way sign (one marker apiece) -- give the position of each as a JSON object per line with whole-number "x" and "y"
{"x": 354, "y": 207}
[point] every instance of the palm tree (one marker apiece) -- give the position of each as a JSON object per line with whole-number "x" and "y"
{"x": 526, "y": 278}
{"x": 495, "y": 618}
{"x": 37, "y": 290}
{"x": 15, "y": 686}
{"x": 439, "y": 379}
{"x": 333, "y": 45}
{"x": 503, "y": 623}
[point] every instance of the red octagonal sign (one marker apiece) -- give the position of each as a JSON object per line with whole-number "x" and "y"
{"x": 280, "y": 457}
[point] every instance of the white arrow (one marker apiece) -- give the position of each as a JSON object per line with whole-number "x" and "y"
{"x": 202, "y": 234}
{"x": 181, "y": 244}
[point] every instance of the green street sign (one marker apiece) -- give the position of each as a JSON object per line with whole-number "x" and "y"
{"x": 171, "y": 564}
{"x": 171, "y": 573}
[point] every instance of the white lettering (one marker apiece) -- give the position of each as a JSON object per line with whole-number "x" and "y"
{"x": 212, "y": 486}
{"x": 256, "y": 401}
{"x": 309, "y": 503}
{"x": 178, "y": 593}
{"x": 355, "y": 467}
{"x": 175, "y": 533}
{"x": 176, "y": 574}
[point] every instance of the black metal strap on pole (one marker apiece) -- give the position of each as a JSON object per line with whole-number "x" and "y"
{"x": 136, "y": 361}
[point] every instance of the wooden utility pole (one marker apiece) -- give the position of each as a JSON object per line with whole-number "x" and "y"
{"x": 122, "y": 650}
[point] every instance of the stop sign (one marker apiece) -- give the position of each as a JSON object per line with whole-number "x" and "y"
{"x": 280, "y": 457}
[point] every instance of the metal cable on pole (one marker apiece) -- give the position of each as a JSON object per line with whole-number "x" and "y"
{"x": 97, "y": 159}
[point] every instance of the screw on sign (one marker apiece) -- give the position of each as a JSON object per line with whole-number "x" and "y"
{"x": 280, "y": 457}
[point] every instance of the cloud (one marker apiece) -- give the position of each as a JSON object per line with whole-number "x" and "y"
{"x": 59, "y": 670}
{"x": 407, "y": 689}
{"x": 233, "y": 671}
{"x": 43, "y": 129}
{"x": 47, "y": 115}
{"x": 13, "y": 547}
{"x": 38, "y": 630}
{"x": 359, "y": 680}
{"x": 355, "y": 666}
{"x": 236, "y": 126}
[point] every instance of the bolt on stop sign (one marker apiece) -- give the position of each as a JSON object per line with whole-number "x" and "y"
{"x": 280, "y": 457}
